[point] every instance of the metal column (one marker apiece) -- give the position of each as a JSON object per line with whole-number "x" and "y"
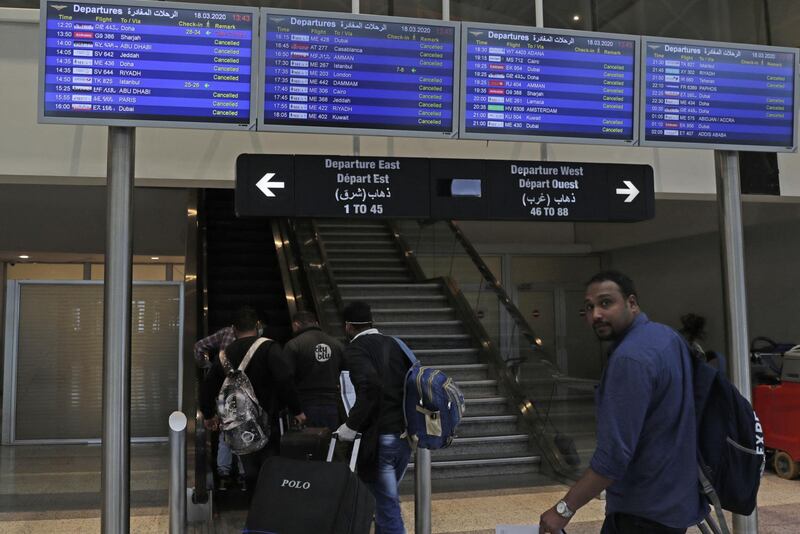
{"x": 729, "y": 201}
{"x": 422, "y": 491}
{"x": 115, "y": 477}
{"x": 177, "y": 473}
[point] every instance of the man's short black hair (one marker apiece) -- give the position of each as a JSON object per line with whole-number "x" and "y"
{"x": 358, "y": 313}
{"x": 246, "y": 319}
{"x": 304, "y": 318}
{"x": 623, "y": 281}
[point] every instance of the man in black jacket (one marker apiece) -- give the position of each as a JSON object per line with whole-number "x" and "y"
{"x": 378, "y": 368}
{"x": 267, "y": 373}
{"x": 314, "y": 360}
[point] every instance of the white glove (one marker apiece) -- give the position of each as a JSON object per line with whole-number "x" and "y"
{"x": 346, "y": 433}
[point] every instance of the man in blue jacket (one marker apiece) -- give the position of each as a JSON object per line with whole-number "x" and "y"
{"x": 646, "y": 436}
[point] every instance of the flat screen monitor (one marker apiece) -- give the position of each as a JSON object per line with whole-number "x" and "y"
{"x": 147, "y": 64}
{"x": 700, "y": 94}
{"x": 343, "y": 73}
{"x": 529, "y": 84}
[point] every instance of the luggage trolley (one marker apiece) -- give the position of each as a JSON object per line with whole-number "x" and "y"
{"x": 777, "y": 404}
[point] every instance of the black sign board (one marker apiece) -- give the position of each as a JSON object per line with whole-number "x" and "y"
{"x": 565, "y": 191}
{"x": 357, "y": 187}
{"x": 264, "y": 185}
{"x": 331, "y": 186}
{"x": 342, "y": 186}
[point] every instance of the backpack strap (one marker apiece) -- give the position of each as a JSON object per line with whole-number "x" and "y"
{"x": 249, "y": 356}
{"x": 408, "y": 352}
{"x": 711, "y": 493}
{"x": 223, "y": 360}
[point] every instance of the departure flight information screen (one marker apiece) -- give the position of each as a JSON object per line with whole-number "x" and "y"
{"x": 523, "y": 83}
{"x": 719, "y": 95}
{"x": 332, "y": 73}
{"x": 141, "y": 63}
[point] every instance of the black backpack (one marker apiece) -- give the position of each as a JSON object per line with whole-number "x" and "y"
{"x": 730, "y": 442}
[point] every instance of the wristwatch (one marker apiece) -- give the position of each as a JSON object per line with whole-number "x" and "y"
{"x": 563, "y": 510}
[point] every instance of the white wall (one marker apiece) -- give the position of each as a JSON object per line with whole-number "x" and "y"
{"x": 30, "y": 151}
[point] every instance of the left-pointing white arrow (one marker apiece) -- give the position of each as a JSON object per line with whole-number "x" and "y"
{"x": 266, "y": 186}
{"x": 631, "y": 191}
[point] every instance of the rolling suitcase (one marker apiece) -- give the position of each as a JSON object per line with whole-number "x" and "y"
{"x": 301, "y": 497}
{"x": 304, "y": 443}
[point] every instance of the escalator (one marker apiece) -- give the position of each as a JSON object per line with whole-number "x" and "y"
{"x": 238, "y": 263}
{"x": 241, "y": 267}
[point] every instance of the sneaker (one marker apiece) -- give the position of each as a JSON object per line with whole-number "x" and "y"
{"x": 242, "y": 482}
{"x": 224, "y": 482}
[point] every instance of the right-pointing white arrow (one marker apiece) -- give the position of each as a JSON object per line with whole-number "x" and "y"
{"x": 631, "y": 191}
{"x": 266, "y": 186}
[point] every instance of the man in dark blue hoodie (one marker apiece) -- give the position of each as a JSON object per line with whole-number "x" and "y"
{"x": 646, "y": 436}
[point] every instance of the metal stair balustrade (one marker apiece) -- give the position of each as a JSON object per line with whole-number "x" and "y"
{"x": 548, "y": 396}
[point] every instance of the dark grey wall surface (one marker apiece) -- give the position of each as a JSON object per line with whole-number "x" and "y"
{"x": 71, "y": 219}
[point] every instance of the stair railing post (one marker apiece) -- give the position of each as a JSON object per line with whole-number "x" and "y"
{"x": 422, "y": 491}
{"x": 177, "y": 473}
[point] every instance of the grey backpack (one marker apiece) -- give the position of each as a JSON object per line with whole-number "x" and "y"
{"x": 243, "y": 422}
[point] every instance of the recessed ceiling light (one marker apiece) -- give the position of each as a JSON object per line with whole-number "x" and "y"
{"x": 576, "y": 18}
{"x": 154, "y": 258}
{"x": 23, "y": 256}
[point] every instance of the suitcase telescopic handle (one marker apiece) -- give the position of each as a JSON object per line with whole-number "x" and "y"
{"x": 353, "y": 456}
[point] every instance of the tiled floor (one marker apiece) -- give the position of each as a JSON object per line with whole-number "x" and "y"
{"x": 45, "y": 489}
{"x": 479, "y": 512}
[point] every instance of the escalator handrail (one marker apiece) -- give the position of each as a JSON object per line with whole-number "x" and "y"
{"x": 309, "y": 288}
{"x": 323, "y": 254}
{"x": 288, "y": 268}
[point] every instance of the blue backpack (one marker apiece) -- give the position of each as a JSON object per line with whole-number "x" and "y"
{"x": 432, "y": 404}
{"x": 730, "y": 443}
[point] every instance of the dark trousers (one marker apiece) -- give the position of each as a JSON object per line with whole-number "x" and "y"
{"x": 619, "y": 523}
{"x": 252, "y": 465}
{"x": 322, "y": 415}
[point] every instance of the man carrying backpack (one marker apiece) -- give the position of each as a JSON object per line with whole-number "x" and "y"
{"x": 267, "y": 378}
{"x": 646, "y": 456}
{"x": 378, "y": 368}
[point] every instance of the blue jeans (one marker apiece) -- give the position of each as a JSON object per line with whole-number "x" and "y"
{"x": 225, "y": 458}
{"x": 393, "y": 456}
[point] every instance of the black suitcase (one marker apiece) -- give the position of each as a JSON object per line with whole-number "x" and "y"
{"x": 301, "y": 497}
{"x": 304, "y": 443}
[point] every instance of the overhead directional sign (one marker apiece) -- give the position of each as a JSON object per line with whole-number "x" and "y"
{"x": 265, "y": 185}
{"x": 358, "y": 187}
{"x": 342, "y": 186}
{"x": 565, "y": 191}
